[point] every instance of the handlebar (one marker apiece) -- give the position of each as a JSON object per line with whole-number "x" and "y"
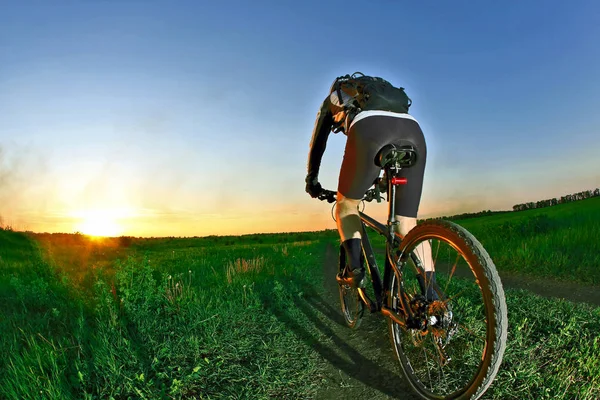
{"x": 331, "y": 196}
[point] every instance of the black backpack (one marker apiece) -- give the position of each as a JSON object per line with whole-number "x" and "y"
{"x": 363, "y": 93}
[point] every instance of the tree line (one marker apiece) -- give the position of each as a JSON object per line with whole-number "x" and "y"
{"x": 467, "y": 215}
{"x": 552, "y": 202}
{"x": 525, "y": 206}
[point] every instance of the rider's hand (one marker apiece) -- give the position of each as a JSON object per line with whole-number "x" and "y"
{"x": 313, "y": 187}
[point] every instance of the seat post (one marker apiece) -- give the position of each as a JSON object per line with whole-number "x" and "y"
{"x": 393, "y": 157}
{"x": 391, "y": 173}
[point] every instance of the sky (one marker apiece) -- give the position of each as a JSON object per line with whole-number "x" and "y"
{"x": 194, "y": 118}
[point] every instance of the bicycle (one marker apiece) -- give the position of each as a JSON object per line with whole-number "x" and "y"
{"x": 449, "y": 346}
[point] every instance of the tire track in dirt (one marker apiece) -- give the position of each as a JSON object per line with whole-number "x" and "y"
{"x": 551, "y": 288}
{"x": 545, "y": 287}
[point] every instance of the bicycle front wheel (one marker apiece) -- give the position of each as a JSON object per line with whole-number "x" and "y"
{"x": 352, "y": 306}
{"x": 453, "y": 345}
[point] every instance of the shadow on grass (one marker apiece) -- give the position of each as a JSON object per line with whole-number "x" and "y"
{"x": 327, "y": 333}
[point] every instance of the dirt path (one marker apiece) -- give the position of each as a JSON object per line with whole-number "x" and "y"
{"x": 361, "y": 364}
{"x": 361, "y": 361}
{"x": 547, "y": 287}
{"x": 570, "y": 291}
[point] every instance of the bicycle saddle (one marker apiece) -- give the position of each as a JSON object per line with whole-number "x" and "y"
{"x": 404, "y": 155}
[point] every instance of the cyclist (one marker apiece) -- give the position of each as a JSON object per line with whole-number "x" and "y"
{"x": 369, "y": 122}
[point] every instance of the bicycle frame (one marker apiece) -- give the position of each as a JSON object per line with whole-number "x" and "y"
{"x": 393, "y": 240}
{"x": 391, "y": 166}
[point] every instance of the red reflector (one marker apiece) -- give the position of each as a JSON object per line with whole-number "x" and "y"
{"x": 399, "y": 181}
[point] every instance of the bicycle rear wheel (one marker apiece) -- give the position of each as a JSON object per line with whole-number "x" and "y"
{"x": 352, "y": 306}
{"x": 453, "y": 347}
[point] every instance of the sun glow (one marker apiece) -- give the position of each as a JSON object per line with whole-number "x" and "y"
{"x": 99, "y": 227}
{"x": 99, "y": 222}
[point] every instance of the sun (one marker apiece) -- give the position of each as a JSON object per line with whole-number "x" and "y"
{"x": 99, "y": 227}
{"x": 99, "y": 223}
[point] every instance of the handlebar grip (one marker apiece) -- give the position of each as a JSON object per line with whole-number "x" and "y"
{"x": 328, "y": 195}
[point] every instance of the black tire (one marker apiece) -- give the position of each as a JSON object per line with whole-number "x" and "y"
{"x": 477, "y": 332}
{"x": 352, "y": 306}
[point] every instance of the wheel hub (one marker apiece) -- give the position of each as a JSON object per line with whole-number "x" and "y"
{"x": 435, "y": 316}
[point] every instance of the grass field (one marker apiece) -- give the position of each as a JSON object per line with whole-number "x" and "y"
{"x": 220, "y": 317}
{"x": 558, "y": 242}
{"x": 167, "y": 322}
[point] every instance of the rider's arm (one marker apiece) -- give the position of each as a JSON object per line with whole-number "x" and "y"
{"x": 318, "y": 142}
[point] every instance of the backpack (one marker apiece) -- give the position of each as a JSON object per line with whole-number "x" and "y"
{"x": 362, "y": 93}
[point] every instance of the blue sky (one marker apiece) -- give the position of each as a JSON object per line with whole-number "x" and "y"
{"x": 194, "y": 118}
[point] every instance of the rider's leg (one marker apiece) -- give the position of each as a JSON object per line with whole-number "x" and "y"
{"x": 347, "y": 218}
{"x": 349, "y": 228}
{"x": 423, "y": 253}
{"x": 423, "y": 250}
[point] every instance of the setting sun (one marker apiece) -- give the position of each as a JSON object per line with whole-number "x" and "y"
{"x": 99, "y": 222}
{"x": 99, "y": 227}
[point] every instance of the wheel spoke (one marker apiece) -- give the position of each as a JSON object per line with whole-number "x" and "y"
{"x": 436, "y": 252}
{"x": 471, "y": 332}
{"x": 457, "y": 295}
{"x": 426, "y": 363}
{"x": 452, "y": 272}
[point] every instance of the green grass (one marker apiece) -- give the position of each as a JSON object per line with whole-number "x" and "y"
{"x": 227, "y": 317}
{"x": 558, "y": 242}
{"x": 189, "y": 322}
{"x": 553, "y": 350}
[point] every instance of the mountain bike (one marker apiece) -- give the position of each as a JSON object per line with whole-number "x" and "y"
{"x": 449, "y": 344}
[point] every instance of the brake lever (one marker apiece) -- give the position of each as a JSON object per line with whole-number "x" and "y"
{"x": 327, "y": 195}
{"x": 373, "y": 194}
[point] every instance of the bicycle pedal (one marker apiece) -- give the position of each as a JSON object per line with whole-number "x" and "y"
{"x": 344, "y": 280}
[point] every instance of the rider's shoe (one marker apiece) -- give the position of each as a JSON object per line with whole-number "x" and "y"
{"x": 357, "y": 277}
{"x": 354, "y": 271}
{"x": 354, "y": 278}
